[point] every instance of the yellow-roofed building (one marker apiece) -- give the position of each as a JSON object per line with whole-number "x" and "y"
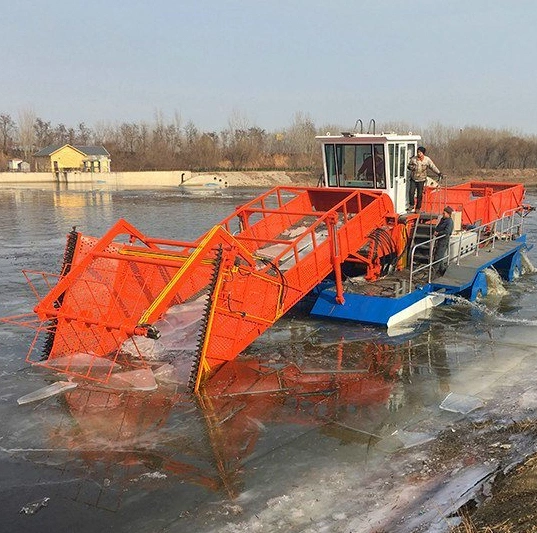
{"x": 69, "y": 158}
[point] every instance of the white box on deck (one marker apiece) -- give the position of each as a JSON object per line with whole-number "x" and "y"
{"x": 466, "y": 241}
{"x": 457, "y": 220}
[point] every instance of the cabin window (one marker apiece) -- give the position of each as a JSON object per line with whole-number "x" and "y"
{"x": 349, "y": 163}
{"x": 340, "y": 162}
{"x": 395, "y": 162}
{"x": 380, "y": 166}
{"x": 391, "y": 151}
{"x": 355, "y": 165}
{"x": 411, "y": 151}
{"x": 402, "y": 160}
{"x": 331, "y": 166}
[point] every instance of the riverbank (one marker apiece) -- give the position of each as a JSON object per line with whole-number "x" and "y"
{"x": 220, "y": 180}
{"x": 511, "y": 506}
{"x": 252, "y": 179}
{"x": 156, "y": 179}
{"x": 273, "y": 178}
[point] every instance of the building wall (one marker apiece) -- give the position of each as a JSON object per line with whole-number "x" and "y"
{"x": 120, "y": 180}
{"x": 67, "y": 157}
{"x": 114, "y": 180}
{"x": 26, "y": 177}
{"x": 105, "y": 164}
{"x": 97, "y": 164}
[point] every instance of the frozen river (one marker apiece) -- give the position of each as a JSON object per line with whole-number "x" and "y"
{"x": 330, "y": 427}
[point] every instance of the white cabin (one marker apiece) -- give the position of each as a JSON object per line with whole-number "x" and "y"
{"x": 370, "y": 161}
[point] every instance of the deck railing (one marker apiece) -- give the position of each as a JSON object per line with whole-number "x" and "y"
{"x": 426, "y": 266}
{"x": 504, "y": 227}
{"x": 509, "y": 226}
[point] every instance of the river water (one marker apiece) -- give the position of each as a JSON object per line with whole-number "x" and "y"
{"x": 326, "y": 426}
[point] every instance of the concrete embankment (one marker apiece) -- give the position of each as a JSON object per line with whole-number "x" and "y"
{"x": 149, "y": 180}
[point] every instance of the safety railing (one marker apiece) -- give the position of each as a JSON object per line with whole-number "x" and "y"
{"x": 506, "y": 227}
{"x": 426, "y": 266}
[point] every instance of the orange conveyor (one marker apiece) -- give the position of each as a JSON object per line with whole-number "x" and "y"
{"x": 251, "y": 269}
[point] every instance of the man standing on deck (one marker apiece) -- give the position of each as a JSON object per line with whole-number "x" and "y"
{"x": 443, "y": 232}
{"x": 418, "y": 166}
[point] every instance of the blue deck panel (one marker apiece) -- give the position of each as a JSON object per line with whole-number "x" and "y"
{"x": 458, "y": 279}
{"x": 365, "y": 308}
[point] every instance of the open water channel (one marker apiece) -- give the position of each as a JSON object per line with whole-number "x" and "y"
{"x": 339, "y": 430}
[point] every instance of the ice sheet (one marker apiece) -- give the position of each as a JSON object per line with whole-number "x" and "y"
{"x": 46, "y": 392}
{"x": 141, "y": 379}
{"x": 81, "y": 362}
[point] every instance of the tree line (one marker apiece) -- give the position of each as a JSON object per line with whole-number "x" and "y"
{"x": 172, "y": 145}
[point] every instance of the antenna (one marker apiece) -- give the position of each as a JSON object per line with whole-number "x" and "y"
{"x": 372, "y": 122}
{"x": 361, "y": 125}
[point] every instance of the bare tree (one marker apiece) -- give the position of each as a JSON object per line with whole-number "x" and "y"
{"x": 84, "y": 134}
{"x": 7, "y": 129}
{"x": 191, "y": 132}
{"x": 170, "y": 145}
{"x": 130, "y": 133}
{"x": 43, "y": 133}
{"x": 300, "y": 137}
{"x": 61, "y": 134}
{"x": 71, "y": 134}
{"x": 102, "y": 132}
{"x": 27, "y": 137}
{"x": 239, "y": 147}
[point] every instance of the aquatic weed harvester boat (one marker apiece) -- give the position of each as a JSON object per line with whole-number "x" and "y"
{"x": 125, "y": 299}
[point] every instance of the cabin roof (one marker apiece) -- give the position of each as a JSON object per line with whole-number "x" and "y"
{"x": 366, "y": 138}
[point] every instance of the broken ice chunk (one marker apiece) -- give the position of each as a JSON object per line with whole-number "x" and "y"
{"x": 412, "y": 438}
{"x": 47, "y": 392}
{"x": 32, "y": 508}
{"x": 460, "y": 403}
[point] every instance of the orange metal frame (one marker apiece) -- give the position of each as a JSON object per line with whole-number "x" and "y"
{"x": 480, "y": 202}
{"x": 254, "y": 266}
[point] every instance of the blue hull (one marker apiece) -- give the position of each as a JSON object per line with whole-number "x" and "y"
{"x": 367, "y": 309}
{"x": 467, "y": 279}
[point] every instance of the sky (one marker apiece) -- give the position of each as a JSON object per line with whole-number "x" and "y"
{"x": 261, "y": 63}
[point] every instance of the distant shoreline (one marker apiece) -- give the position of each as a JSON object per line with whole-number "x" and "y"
{"x": 158, "y": 179}
{"x": 222, "y": 179}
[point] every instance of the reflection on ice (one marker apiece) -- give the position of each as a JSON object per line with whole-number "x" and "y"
{"x": 263, "y": 422}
